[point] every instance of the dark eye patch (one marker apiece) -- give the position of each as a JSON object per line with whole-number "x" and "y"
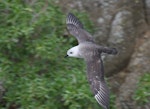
{"x": 71, "y": 52}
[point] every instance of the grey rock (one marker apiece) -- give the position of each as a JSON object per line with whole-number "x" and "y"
{"x": 138, "y": 66}
{"x": 147, "y": 10}
{"x": 122, "y": 37}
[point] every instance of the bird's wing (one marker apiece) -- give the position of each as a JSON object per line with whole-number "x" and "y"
{"x": 76, "y": 29}
{"x": 95, "y": 75}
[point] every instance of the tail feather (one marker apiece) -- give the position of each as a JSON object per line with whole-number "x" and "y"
{"x": 110, "y": 50}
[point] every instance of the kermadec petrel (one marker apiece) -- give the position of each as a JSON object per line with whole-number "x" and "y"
{"x": 91, "y": 53}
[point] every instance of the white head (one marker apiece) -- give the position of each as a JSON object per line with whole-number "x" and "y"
{"x": 73, "y": 52}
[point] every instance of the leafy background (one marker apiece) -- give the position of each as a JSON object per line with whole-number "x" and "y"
{"x": 32, "y": 65}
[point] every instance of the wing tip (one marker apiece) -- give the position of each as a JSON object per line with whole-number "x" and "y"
{"x": 105, "y": 106}
{"x": 102, "y": 95}
{"x": 70, "y": 14}
{"x": 72, "y": 19}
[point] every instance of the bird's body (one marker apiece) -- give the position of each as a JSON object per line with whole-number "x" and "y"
{"x": 91, "y": 53}
{"x": 89, "y": 50}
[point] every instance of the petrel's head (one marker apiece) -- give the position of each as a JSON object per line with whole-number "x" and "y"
{"x": 73, "y": 52}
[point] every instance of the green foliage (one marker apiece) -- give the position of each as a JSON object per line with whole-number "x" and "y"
{"x": 112, "y": 101}
{"x": 32, "y": 65}
{"x": 142, "y": 94}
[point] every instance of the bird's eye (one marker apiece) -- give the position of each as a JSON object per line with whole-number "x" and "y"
{"x": 71, "y": 52}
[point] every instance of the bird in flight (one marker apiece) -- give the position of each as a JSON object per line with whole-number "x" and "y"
{"x": 91, "y": 53}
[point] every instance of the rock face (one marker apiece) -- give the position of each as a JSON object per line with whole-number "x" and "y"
{"x": 122, "y": 37}
{"x": 125, "y": 25}
{"x": 147, "y": 10}
{"x": 139, "y": 65}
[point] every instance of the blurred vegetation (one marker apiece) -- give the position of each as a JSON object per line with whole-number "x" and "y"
{"x": 142, "y": 94}
{"x": 32, "y": 65}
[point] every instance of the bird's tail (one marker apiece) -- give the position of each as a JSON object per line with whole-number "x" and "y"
{"x": 110, "y": 50}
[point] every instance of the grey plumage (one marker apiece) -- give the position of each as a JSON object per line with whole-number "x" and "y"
{"x": 91, "y": 52}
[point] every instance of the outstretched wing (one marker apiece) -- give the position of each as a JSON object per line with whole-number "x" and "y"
{"x": 95, "y": 75}
{"x": 76, "y": 29}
